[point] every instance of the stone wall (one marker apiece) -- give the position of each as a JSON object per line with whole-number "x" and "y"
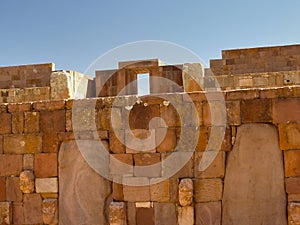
{"x": 34, "y": 135}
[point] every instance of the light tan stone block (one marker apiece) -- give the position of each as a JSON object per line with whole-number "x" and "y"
{"x": 46, "y": 185}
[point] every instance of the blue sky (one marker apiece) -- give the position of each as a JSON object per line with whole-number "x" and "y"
{"x": 73, "y": 34}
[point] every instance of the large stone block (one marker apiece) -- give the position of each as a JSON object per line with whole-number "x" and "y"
{"x": 140, "y": 141}
{"x": 10, "y": 165}
{"x": 45, "y": 165}
{"x": 294, "y": 214}
{"x": 208, "y": 213}
{"x": 22, "y": 144}
{"x": 17, "y": 122}
{"x": 117, "y": 213}
{"x": 168, "y": 142}
{"x": 292, "y": 163}
{"x": 164, "y": 213}
{"x": 208, "y": 190}
{"x": 33, "y": 209}
{"x": 192, "y": 74}
{"x": 280, "y": 112}
{"x": 5, "y": 213}
{"x": 5, "y": 125}
{"x": 249, "y": 172}
{"x": 13, "y": 192}
{"x": 145, "y": 216}
{"x": 147, "y": 165}
{"x": 160, "y": 192}
{"x": 80, "y": 188}
{"x": 256, "y": 111}
{"x": 186, "y": 215}
{"x": 50, "y": 211}
{"x": 121, "y": 164}
{"x": 46, "y": 185}
{"x": 32, "y": 122}
{"x": 136, "y": 189}
{"x": 289, "y": 136}
{"x": 117, "y": 141}
{"x": 292, "y": 185}
{"x": 2, "y": 189}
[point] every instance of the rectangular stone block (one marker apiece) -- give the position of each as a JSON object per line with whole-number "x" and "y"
{"x": 186, "y": 215}
{"x": 204, "y": 169}
{"x": 256, "y": 110}
{"x": 214, "y": 113}
{"x": 18, "y": 213}
{"x": 294, "y": 213}
{"x": 19, "y": 107}
{"x": 208, "y": 190}
{"x": 233, "y": 112}
{"x": 131, "y": 213}
{"x": 50, "y": 211}
{"x": 17, "y": 122}
{"x": 2, "y": 189}
{"x": 1, "y": 144}
{"x": 292, "y": 163}
{"x": 49, "y": 105}
{"x": 5, "y": 213}
{"x": 117, "y": 213}
{"x": 45, "y": 165}
{"x": 170, "y": 116}
{"x": 147, "y": 165}
{"x": 11, "y": 165}
{"x": 134, "y": 193}
{"x": 13, "y": 192}
{"x": 140, "y": 141}
{"x": 289, "y": 136}
{"x": 160, "y": 191}
{"x": 121, "y": 164}
{"x": 32, "y": 122}
{"x": 117, "y": 141}
{"x": 33, "y": 209}
{"x": 22, "y": 144}
{"x": 5, "y": 127}
{"x": 292, "y": 185}
{"x": 167, "y": 142}
{"x": 286, "y": 110}
{"x": 208, "y": 213}
{"x": 46, "y": 185}
{"x": 145, "y": 216}
{"x": 164, "y": 213}
{"x": 28, "y": 162}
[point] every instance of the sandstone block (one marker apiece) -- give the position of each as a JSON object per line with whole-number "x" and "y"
{"x": 186, "y": 215}
{"x": 214, "y": 113}
{"x": 32, "y": 122}
{"x": 191, "y": 76}
{"x": 117, "y": 141}
{"x": 13, "y": 192}
{"x": 164, "y": 213}
{"x": 160, "y": 192}
{"x": 19, "y": 107}
{"x": 208, "y": 213}
{"x": 10, "y": 165}
{"x": 6, "y": 120}
{"x": 45, "y": 165}
{"x": 280, "y": 112}
{"x": 292, "y": 163}
{"x": 17, "y": 123}
{"x": 140, "y": 141}
{"x": 18, "y": 213}
{"x": 256, "y": 110}
{"x": 170, "y": 116}
{"x": 5, "y": 213}
{"x": 233, "y": 112}
{"x": 136, "y": 189}
{"x": 28, "y": 162}
{"x": 186, "y": 192}
{"x": 2, "y": 189}
{"x": 147, "y": 165}
{"x": 213, "y": 162}
{"x": 294, "y": 198}
{"x": 289, "y": 136}
{"x": 49, "y": 105}
{"x": 121, "y": 164}
{"x": 168, "y": 142}
{"x": 131, "y": 213}
{"x": 1, "y": 144}
{"x": 33, "y": 209}
{"x": 46, "y": 185}
{"x": 50, "y": 211}
{"x": 117, "y": 213}
{"x": 145, "y": 216}
{"x": 22, "y": 144}
{"x": 292, "y": 185}
{"x": 27, "y": 182}
{"x": 117, "y": 190}
{"x": 294, "y": 214}
{"x": 208, "y": 190}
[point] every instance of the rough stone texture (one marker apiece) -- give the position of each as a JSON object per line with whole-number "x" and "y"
{"x": 140, "y": 141}
{"x": 208, "y": 213}
{"x": 46, "y": 185}
{"x": 186, "y": 192}
{"x": 147, "y": 165}
{"x": 294, "y": 214}
{"x": 2, "y": 189}
{"x": 160, "y": 192}
{"x": 117, "y": 213}
{"x": 280, "y": 112}
{"x": 255, "y": 167}
{"x": 191, "y": 76}
{"x": 145, "y": 216}
{"x": 17, "y": 123}
{"x": 5, "y": 127}
{"x": 80, "y": 188}
{"x": 45, "y": 165}
{"x": 13, "y": 192}
{"x": 50, "y": 211}
{"x": 28, "y": 162}
{"x": 131, "y": 213}
{"x": 18, "y": 213}
{"x": 292, "y": 163}
{"x": 27, "y": 182}
{"x": 256, "y": 110}
{"x": 164, "y": 213}
{"x": 169, "y": 143}
{"x": 32, "y": 209}
{"x": 135, "y": 191}
{"x": 22, "y": 144}
{"x": 32, "y": 120}
{"x": 292, "y": 185}
{"x": 186, "y": 215}
{"x": 289, "y": 136}
{"x": 5, "y": 213}
{"x": 121, "y": 164}
{"x": 208, "y": 190}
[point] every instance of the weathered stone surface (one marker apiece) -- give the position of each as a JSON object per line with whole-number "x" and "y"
{"x": 13, "y": 192}
{"x": 136, "y": 189}
{"x": 32, "y": 122}
{"x": 46, "y": 185}
{"x": 45, "y": 165}
{"x": 256, "y": 111}
{"x": 208, "y": 190}
{"x": 21, "y": 144}
{"x": 131, "y": 213}
{"x": 292, "y": 163}
{"x": 186, "y": 215}
{"x": 292, "y": 185}
{"x": 5, "y": 213}
{"x": 140, "y": 141}
{"x": 27, "y": 182}
{"x": 17, "y": 123}
{"x": 169, "y": 142}
{"x": 164, "y": 213}
{"x": 208, "y": 213}
{"x": 80, "y": 188}
{"x": 186, "y": 191}
{"x": 32, "y": 209}
{"x": 117, "y": 213}
{"x": 145, "y": 216}
{"x": 147, "y": 165}
{"x": 121, "y": 164}
{"x": 160, "y": 192}
{"x": 192, "y": 77}
{"x": 289, "y": 136}
{"x": 294, "y": 214}
{"x": 280, "y": 112}
{"x": 50, "y": 211}
{"x": 5, "y": 119}
{"x": 255, "y": 167}
{"x": 28, "y": 162}
{"x": 2, "y": 189}
{"x": 18, "y": 213}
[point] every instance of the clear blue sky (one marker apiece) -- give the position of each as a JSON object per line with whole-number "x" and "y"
{"x": 74, "y": 33}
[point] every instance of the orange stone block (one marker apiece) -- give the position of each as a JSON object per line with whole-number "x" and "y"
{"x": 289, "y": 134}
{"x": 11, "y": 165}
{"x": 292, "y": 163}
{"x": 45, "y": 165}
{"x": 5, "y": 123}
